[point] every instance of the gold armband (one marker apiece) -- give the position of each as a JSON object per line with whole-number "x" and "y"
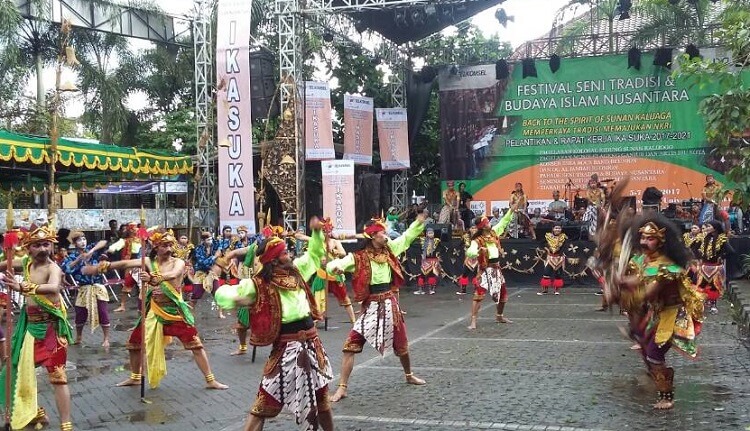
{"x": 156, "y": 279}
{"x": 103, "y": 267}
{"x": 28, "y": 289}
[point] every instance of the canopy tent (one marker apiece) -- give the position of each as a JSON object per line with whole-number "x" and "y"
{"x": 80, "y": 164}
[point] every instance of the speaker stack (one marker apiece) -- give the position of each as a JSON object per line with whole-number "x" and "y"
{"x": 263, "y": 85}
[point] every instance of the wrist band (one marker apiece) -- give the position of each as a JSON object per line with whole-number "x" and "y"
{"x": 103, "y": 266}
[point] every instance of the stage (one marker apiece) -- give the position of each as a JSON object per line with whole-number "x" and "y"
{"x": 522, "y": 260}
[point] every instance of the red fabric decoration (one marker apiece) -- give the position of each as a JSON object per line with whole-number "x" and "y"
{"x": 273, "y": 251}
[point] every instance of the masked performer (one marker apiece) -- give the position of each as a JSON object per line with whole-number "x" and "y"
{"x": 430, "y": 268}
{"x": 712, "y": 250}
{"x": 554, "y": 264}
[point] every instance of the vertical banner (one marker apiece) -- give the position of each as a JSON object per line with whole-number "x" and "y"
{"x": 235, "y": 187}
{"x": 393, "y": 137}
{"x": 358, "y": 120}
{"x": 338, "y": 195}
{"x": 318, "y": 127}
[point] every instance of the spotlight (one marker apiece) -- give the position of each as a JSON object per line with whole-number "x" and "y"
{"x": 399, "y": 18}
{"x": 501, "y": 70}
{"x": 430, "y": 10}
{"x": 529, "y": 67}
{"x": 663, "y": 57}
{"x": 454, "y": 70}
{"x": 554, "y": 63}
{"x": 634, "y": 58}
{"x": 446, "y": 14}
{"x": 328, "y": 37}
{"x": 502, "y": 17}
{"x": 417, "y": 16}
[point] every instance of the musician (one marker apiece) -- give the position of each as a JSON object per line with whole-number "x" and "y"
{"x": 450, "y": 204}
{"x": 556, "y": 209}
{"x": 710, "y": 193}
{"x": 520, "y": 221}
{"x": 594, "y": 193}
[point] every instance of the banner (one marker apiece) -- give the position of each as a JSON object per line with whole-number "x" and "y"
{"x": 593, "y": 116}
{"x": 338, "y": 195}
{"x": 235, "y": 165}
{"x": 318, "y": 126}
{"x": 358, "y": 120}
{"x": 393, "y": 138}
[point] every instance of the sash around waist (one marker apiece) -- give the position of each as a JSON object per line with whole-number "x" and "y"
{"x": 296, "y": 326}
{"x": 379, "y": 288}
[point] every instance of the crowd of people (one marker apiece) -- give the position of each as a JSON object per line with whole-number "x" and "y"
{"x": 278, "y": 281}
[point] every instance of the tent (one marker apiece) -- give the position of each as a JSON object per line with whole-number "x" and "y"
{"x": 81, "y": 163}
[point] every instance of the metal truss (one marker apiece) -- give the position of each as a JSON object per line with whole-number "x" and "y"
{"x": 124, "y": 20}
{"x": 290, "y": 32}
{"x": 397, "y": 85}
{"x": 205, "y": 205}
{"x": 328, "y": 6}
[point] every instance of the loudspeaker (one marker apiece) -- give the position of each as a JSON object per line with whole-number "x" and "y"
{"x": 262, "y": 85}
{"x": 444, "y": 231}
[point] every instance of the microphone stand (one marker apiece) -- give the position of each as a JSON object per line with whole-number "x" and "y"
{"x": 687, "y": 184}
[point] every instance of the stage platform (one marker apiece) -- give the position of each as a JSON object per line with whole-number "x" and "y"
{"x": 522, "y": 260}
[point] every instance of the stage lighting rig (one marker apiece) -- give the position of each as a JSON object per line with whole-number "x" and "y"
{"x": 417, "y": 16}
{"x": 454, "y": 70}
{"x": 502, "y": 17}
{"x": 446, "y": 13}
{"x": 399, "y": 18}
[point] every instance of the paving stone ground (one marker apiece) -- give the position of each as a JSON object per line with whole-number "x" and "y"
{"x": 559, "y": 366}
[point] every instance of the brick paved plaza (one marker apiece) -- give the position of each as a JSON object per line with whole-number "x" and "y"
{"x": 559, "y": 366}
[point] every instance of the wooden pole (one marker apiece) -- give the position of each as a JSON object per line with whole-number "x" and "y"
{"x": 143, "y": 236}
{"x": 10, "y": 240}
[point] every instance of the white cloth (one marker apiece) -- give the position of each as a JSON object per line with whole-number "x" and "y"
{"x": 375, "y": 324}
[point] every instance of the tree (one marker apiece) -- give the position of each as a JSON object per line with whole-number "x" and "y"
{"x": 727, "y": 111}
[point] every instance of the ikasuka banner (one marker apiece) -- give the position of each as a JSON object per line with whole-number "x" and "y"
{"x": 235, "y": 188}
{"x": 318, "y": 126}
{"x": 338, "y": 195}
{"x": 393, "y": 137}
{"x": 358, "y": 129}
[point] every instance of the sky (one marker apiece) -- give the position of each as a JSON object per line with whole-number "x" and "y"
{"x": 531, "y": 19}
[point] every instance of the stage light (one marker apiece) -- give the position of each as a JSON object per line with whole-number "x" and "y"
{"x": 399, "y": 18}
{"x": 454, "y": 70}
{"x": 328, "y": 37}
{"x": 663, "y": 57}
{"x": 417, "y": 16}
{"x": 529, "y": 67}
{"x": 634, "y": 58}
{"x": 501, "y": 70}
{"x": 430, "y": 10}
{"x": 446, "y": 14}
{"x": 692, "y": 51}
{"x": 502, "y": 17}
{"x": 554, "y": 63}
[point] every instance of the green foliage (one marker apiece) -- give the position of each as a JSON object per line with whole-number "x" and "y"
{"x": 727, "y": 111}
{"x": 159, "y": 133}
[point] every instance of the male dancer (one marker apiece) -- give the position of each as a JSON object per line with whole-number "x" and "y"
{"x": 166, "y": 312}
{"x": 663, "y": 307}
{"x": 470, "y": 264}
{"x": 129, "y": 245}
{"x": 41, "y": 335}
{"x": 430, "y": 267}
{"x": 92, "y": 299}
{"x": 554, "y": 264}
{"x": 712, "y": 248}
{"x": 282, "y": 313}
{"x": 376, "y": 282}
{"x": 485, "y": 246}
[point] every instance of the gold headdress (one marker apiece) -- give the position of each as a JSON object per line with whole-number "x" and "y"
{"x": 162, "y": 237}
{"x": 651, "y": 230}
{"x": 44, "y": 233}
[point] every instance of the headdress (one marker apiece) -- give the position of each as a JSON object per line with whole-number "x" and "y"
{"x": 273, "y": 249}
{"x": 377, "y": 225}
{"x": 270, "y": 230}
{"x": 39, "y": 234}
{"x": 75, "y": 235}
{"x": 162, "y": 237}
{"x": 483, "y": 222}
{"x": 652, "y": 230}
{"x": 242, "y": 229}
{"x": 326, "y": 224}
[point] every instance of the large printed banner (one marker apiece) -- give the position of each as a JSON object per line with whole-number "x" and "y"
{"x": 358, "y": 120}
{"x": 595, "y": 115}
{"x": 235, "y": 188}
{"x": 393, "y": 137}
{"x": 318, "y": 126}
{"x": 338, "y": 195}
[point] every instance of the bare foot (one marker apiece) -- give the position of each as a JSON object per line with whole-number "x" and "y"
{"x": 239, "y": 352}
{"x": 502, "y": 319}
{"x": 414, "y": 380}
{"x": 340, "y": 393}
{"x": 129, "y": 382}
{"x": 663, "y": 405}
{"x": 119, "y": 309}
{"x": 41, "y": 421}
{"x": 216, "y": 385}
{"x": 105, "y": 344}
{"x": 77, "y": 342}
{"x": 635, "y": 346}
{"x": 473, "y": 324}
{"x": 221, "y": 315}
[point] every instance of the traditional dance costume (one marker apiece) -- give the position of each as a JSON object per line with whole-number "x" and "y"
{"x": 92, "y": 298}
{"x": 554, "y": 264}
{"x": 469, "y": 273}
{"x": 711, "y": 279}
{"x": 430, "y": 267}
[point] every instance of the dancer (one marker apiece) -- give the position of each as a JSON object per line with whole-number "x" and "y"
{"x": 693, "y": 239}
{"x": 92, "y": 299}
{"x": 712, "y": 249}
{"x": 184, "y": 250}
{"x": 485, "y": 246}
{"x": 167, "y": 314}
{"x": 376, "y": 281}
{"x": 663, "y": 307}
{"x": 430, "y": 268}
{"x": 206, "y": 256}
{"x": 282, "y": 314}
{"x": 554, "y": 264}
{"x": 451, "y": 200}
{"x": 128, "y": 246}
{"x": 520, "y": 220}
{"x": 41, "y": 335}
{"x": 470, "y": 263}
